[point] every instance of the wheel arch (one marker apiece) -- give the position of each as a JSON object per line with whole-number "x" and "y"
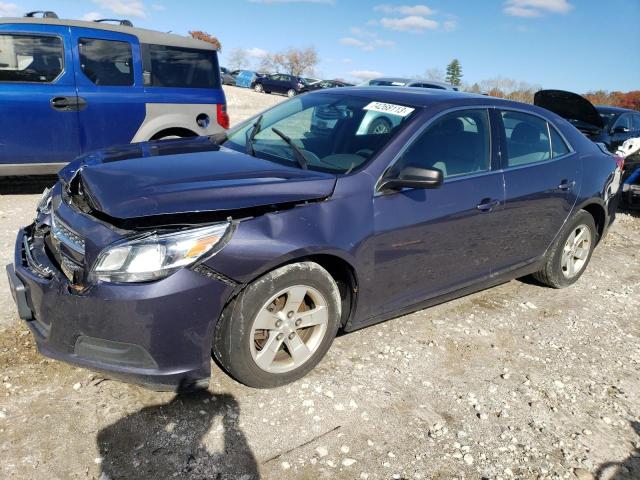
{"x": 174, "y": 131}
{"x": 599, "y": 214}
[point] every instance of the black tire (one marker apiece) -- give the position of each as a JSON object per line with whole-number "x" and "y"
{"x": 291, "y": 93}
{"x": 258, "y": 88}
{"x": 380, "y": 125}
{"x": 234, "y": 335}
{"x": 551, "y": 273}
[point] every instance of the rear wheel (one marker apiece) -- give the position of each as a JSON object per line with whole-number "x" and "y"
{"x": 291, "y": 93}
{"x": 258, "y": 88}
{"x": 571, "y": 252}
{"x": 279, "y": 327}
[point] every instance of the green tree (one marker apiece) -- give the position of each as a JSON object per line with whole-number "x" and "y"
{"x": 454, "y": 72}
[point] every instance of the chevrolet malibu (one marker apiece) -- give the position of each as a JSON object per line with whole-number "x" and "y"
{"x": 256, "y": 247}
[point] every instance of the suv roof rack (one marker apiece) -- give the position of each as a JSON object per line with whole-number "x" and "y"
{"x": 123, "y": 22}
{"x": 45, "y": 14}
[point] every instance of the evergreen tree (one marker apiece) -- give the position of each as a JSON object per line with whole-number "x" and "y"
{"x": 454, "y": 73}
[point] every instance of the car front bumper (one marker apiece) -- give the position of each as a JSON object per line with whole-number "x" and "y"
{"x": 157, "y": 334}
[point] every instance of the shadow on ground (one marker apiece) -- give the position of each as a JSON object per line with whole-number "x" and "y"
{"x": 627, "y": 469}
{"x": 166, "y": 441}
{"x": 26, "y": 185}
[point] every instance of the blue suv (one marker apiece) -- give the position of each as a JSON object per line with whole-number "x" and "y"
{"x": 68, "y": 87}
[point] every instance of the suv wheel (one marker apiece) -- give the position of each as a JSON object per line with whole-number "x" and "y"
{"x": 279, "y": 327}
{"x": 570, "y": 254}
{"x": 291, "y": 93}
{"x": 258, "y": 88}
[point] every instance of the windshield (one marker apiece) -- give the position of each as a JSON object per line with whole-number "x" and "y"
{"x": 334, "y": 133}
{"x": 607, "y": 117}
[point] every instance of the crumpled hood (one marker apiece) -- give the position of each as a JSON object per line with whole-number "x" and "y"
{"x": 570, "y": 106}
{"x": 187, "y": 176}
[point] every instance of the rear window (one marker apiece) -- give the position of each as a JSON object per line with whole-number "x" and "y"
{"x": 180, "y": 67}
{"x": 30, "y": 58}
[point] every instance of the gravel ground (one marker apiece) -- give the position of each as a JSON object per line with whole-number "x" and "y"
{"x": 519, "y": 381}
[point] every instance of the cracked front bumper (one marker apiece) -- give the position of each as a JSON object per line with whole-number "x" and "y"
{"x": 158, "y": 334}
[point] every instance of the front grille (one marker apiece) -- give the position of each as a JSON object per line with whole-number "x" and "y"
{"x": 66, "y": 236}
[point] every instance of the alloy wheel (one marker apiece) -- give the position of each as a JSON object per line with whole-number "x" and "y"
{"x": 576, "y": 251}
{"x": 288, "y": 329}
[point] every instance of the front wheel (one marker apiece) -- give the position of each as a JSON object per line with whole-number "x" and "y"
{"x": 279, "y": 327}
{"x": 570, "y": 254}
{"x": 258, "y": 88}
{"x": 291, "y": 93}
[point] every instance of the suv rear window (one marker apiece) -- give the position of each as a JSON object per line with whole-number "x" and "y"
{"x": 180, "y": 67}
{"x": 106, "y": 63}
{"x": 30, "y": 58}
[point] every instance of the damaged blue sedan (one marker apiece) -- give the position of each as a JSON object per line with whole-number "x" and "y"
{"x": 255, "y": 247}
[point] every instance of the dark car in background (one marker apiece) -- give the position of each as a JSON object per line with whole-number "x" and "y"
{"x": 321, "y": 84}
{"x": 226, "y": 77}
{"x": 283, "y": 83}
{"x": 408, "y": 82}
{"x": 603, "y": 124}
{"x": 145, "y": 260}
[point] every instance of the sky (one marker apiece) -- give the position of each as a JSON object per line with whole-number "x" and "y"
{"x": 578, "y": 45}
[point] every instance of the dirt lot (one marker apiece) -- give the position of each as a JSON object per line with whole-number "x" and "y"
{"x": 519, "y": 381}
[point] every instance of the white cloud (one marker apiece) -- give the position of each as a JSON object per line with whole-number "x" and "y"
{"x": 9, "y": 10}
{"x": 91, "y": 16}
{"x": 256, "y": 52}
{"x": 271, "y": 2}
{"x": 365, "y": 74}
{"x": 353, "y": 42}
{"x": 405, "y": 9}
{"x": 412, "y": 23}
{"x": 536, "y": 8}
{"x": 132, "y": 8}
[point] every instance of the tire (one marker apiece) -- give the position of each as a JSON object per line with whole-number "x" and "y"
{"x": 556, "y": 271}
{"x": 258, "y": 88}
{"x": 379, "y": 126}
{"x": 242, "y": 348}
{"x": 291, "y": 93}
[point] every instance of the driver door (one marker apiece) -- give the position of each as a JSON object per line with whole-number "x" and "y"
{"x": 428, "y": 242}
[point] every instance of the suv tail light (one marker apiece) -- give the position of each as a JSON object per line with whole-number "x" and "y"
{"x": 619, "y": 161}
{"x": 222, "y": 115}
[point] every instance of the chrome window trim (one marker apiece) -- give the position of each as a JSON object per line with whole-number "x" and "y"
{"x": 40, "y": 34}
{"x": 421, "y": 130}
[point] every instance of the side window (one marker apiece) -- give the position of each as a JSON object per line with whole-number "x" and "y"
{"x": 558, "y": 146}
{"x": 106, "y": 62}
{"x": 30, "y": 58}
{"x": 459, "y": 143}
{"x": 623, "y": 121}
{"x": 636, "y": 122}
{"x": 527, "y": 138}
{"x": 181, "y": 67}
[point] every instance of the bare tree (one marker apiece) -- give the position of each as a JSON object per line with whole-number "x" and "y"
{"x": 436, "y": 74}
{"x": 294, "y": 61}
{"x": 206, "y": 37}
{"x": 237, "y": 59}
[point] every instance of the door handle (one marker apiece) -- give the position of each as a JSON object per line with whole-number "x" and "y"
{"x": 60, "y": 103}
{"x": 487, "y": 204}
{"x": 68, "y": 104}
{"x": 566, "y": 185}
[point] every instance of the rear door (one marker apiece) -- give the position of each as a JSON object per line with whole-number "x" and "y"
{"x": 38, "y": 117}
{"x": 110, "y": 87}
{"x": 542, "y": 176}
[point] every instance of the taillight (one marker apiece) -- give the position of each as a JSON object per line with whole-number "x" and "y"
{"x": 222, "y": 115}
{"x": 619, "y": 161}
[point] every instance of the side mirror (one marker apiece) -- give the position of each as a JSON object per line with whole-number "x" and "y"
{"x": 620, "y": 129}
{"x": 413, "y": 177}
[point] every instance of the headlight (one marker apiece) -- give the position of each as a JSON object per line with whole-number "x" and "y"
{"x": 156, "y": 256}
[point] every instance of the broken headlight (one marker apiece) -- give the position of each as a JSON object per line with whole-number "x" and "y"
{"x": 158, "y": 255}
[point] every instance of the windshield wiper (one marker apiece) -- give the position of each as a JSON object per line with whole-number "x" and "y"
{"x": 252, "y": 136}
{"x": 302, "y": 161}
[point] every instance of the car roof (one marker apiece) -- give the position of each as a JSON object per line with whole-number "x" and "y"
{"x": 610, "y": 109}
{"x": 426, "y": 97}
{"x": 144, "y": 35}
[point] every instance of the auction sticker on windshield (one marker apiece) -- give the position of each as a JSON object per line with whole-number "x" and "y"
{"x": 391, "y": 108}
